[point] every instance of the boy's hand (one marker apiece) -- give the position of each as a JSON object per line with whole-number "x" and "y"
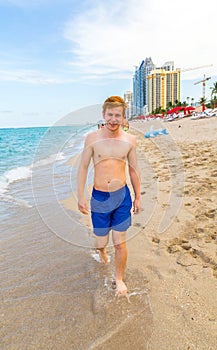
{"x": 82, "y": 206}
{"x": 136, "y": 206}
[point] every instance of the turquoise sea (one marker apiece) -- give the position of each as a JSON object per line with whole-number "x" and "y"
{"x": 42, "y": 150}
{"x": 20, "y": 148}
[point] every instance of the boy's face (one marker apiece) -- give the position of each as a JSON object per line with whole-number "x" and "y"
{"x": 114, "y": 117}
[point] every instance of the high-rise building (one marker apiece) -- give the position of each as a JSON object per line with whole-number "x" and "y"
{"x": 140, "y": 86}
{"x": 164, "y": 87}
{"x": 128, "y": 98}
{"x": 168, "y": 66}
{"x": 155, "y": 87}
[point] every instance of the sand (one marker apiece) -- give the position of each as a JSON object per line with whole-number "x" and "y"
{"x": 173, "y": 240}
{"x": 181, "y": 262}
{"x": 54, "y": 293}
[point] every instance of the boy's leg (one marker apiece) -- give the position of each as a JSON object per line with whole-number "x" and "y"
{"x": 119, "y": 241}
{"x": 100, "y": 244}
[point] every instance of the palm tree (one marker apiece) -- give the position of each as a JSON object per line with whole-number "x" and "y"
{"x": 202, "y": 100}
{"x": 214, "y": 89}
{"x": 169, "y": 105}
{"x": 213, "y": 101}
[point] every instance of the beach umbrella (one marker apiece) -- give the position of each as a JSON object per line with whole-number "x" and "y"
{"x": 176, "y": 109}
{"x": 140, "y": 117}
{"x": 189, "y": 109}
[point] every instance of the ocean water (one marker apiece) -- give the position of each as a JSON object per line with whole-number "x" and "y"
{"x": 54, "y": 295}
{"x": 45, "y": 150}
{"x": 20, "y": 148}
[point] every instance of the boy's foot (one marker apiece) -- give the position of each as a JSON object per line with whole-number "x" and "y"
{"x": 103, "y": 256}
{"x": 121, "y": 288}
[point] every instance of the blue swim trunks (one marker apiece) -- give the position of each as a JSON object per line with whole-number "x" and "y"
{"x": 111, "y": 210}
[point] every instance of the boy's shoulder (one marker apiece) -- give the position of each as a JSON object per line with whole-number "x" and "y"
{"x": 92, "y": 136}
{"x": 130, "y": 138}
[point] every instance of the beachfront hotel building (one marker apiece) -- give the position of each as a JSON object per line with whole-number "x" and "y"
{"x": 154, "y": 87}
{"x": 140, "y": 86}
{"x": 128, "y": 98}
{"x": 163, "y": 87}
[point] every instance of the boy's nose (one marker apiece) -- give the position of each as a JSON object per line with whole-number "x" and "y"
{"x": 113, "y": 118}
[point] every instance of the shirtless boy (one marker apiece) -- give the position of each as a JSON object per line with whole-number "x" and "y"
{"x": 111, "y": 149}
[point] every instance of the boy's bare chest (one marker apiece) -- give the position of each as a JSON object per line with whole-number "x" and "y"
{"x": 110, "y": 149}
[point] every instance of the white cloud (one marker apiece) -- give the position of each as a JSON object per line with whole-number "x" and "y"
{"x": 36, "y": 77}
{"x": 6, "y": 112}
{"x": 32, "y": 77}
{"x": 109, "y": 37}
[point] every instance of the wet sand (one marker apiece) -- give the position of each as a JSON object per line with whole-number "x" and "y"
{"x": 56, "y": 296}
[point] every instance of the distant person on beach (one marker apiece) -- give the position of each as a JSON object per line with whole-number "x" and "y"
{"x": 100, "y": 125}
{"x": 110, "y": 148}
{"x": 125, "y": 125}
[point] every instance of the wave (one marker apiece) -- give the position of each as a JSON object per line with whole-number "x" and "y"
{"x": 49, "y": 160}
{"x": 13, "y": 175}
{"x": 23, "y": 172}
{"x": 9, "y": 177}
{"x": 16, "y": 201}
{"x": 19, "y": 173}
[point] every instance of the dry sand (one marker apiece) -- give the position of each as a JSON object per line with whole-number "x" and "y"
{"x": 181, "y": 262}
{"x": 175, "y": 239}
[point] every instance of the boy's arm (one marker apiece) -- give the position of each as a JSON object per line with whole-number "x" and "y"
{"x": 82, "y": 175}
{"x": 134, "y": 176}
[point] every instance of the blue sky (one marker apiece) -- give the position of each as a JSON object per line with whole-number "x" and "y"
{"x": 57, "y": 56}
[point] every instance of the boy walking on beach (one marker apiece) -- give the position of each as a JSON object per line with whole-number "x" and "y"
{"x": 110, "y": 148}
